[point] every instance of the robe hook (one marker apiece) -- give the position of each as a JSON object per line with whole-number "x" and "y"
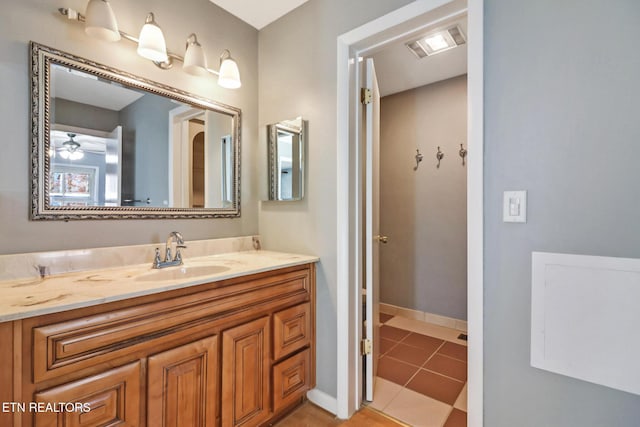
{"x": 418, "y": 159}
{"x": 463, "y": 153}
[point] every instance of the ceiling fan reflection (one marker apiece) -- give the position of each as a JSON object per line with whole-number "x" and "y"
{"x": 72, "y": 149}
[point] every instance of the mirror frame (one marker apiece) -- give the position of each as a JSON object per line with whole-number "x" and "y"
{"x": 41, "y": 59}
{"x": 272, "y": 141}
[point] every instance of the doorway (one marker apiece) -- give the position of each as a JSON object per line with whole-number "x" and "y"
{"x": 418, "y": 197}
{"x": 351, "y": 274}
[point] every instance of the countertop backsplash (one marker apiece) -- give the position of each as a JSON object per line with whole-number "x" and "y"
{"x": 27, "y": 265}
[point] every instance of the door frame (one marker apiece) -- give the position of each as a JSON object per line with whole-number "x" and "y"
{"x": 349, "y": 206}
{"x": 180, "y": 155}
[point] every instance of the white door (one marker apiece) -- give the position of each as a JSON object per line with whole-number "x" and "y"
{"x": 372, "y": 225}
{"x": 113, "y": 168}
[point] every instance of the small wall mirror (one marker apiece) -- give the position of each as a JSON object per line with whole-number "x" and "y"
{"x": 286, "y": 159}
{"x": 108, "y": 144}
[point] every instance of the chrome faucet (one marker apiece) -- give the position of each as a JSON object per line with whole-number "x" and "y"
{"x": 168, "y": 261}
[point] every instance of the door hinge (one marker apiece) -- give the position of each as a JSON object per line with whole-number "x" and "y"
{"x": 365, "y": 347}
{"x": 366, "y": 96}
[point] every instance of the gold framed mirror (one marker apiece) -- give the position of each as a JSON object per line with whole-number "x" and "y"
{"x": 107, "y": 144}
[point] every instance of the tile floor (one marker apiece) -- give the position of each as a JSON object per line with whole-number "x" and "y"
{"x": 422, "y": 373}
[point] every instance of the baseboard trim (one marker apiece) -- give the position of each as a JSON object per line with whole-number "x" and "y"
{"x": 436, "y": 319}
{"x": 323, "y": 400}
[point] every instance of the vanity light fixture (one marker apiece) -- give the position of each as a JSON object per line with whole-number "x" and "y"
{"x": 100, "y": 22}
{"x": 229, "y": 75}
{"x": 151, "y": 44}
{"x": 437, "y": 42}
{"x": 195, "y": 61}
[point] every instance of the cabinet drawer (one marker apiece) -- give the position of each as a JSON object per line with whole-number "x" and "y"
{"x": 291, "y": 330}
{"x": 291, "y": 380}
{"x": 113, "y": 397}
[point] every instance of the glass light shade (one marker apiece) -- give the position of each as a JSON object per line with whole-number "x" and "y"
{"x": 72, "y": 155}
{"x": 229, "y": 76}
{"x": 100, "y": 21}
{"x": 151, "y": 44}
{"x": 195, "y": 61}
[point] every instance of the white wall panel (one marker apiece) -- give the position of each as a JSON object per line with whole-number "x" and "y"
{"x": 585, "y": 318}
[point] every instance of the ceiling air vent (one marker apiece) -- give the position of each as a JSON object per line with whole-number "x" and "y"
{"x": 436, "y": 42}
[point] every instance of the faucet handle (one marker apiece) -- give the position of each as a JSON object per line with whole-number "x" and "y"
{"x": 178, "y": 257}
{"x": 156, "y": 259}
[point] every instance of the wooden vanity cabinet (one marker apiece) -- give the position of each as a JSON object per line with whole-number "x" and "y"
{"x": 237, "y": 352}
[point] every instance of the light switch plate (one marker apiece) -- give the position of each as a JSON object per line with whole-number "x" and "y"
{"x": 514, "y": 206}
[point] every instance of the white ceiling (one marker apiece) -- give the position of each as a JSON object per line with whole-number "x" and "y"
{"x": 398, "y": 69}
{"x": 258, "y": 13}
{"x": 84, "y": 88}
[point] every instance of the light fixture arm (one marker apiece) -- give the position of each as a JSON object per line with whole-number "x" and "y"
{"x": 192, "y": 39}
{"x": 74, "y": 15}
{"x": 150, "y": 19}
{"x": 225, "y": 55}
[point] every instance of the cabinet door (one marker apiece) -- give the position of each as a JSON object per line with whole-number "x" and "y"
{"x": 107, "y": 399}
{"x": 181, "y": 389}
{"x": 245, "y": 374}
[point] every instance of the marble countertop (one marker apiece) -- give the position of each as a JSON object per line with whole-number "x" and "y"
{"x": 29, "y": 297}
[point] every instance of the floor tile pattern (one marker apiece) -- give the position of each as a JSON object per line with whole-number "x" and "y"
{"x": 457, "y": 418}
{"x": 421, "y": 377}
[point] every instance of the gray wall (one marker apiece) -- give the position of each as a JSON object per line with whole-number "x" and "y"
{"x": 145, "y": 141}
{"x": 298, "y": 77}
{"x": 424, "y": 212}
{"x": 86, "y": 116}
{"x": 561, "y": 121}
{"x": 38, "y": 20}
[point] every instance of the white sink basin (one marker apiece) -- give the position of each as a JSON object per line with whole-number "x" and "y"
{"x": 182, "y": 272}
